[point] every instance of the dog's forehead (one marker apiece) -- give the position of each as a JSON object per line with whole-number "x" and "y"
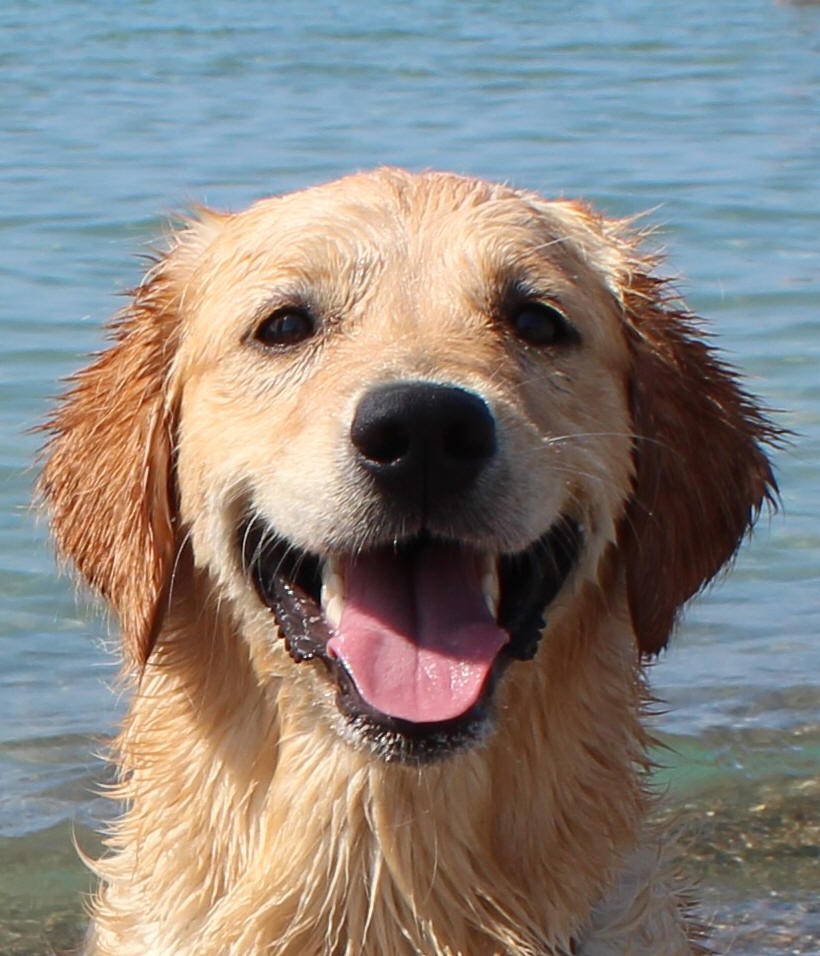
{"x": 439, "y": 231}
{"x": 405, "y": 225}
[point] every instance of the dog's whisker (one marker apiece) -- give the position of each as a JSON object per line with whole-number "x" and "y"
{"x": 184, "y": 541}
{"x": 578, "y": 436}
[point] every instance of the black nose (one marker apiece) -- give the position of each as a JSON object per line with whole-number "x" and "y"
{"x": 421, "y": 441}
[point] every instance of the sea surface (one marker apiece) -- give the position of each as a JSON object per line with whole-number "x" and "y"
{"x": 113, "y": 116}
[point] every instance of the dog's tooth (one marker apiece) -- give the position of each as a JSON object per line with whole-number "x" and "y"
{"x": 332, "y": 567}
{"x": 487, "y": 563}
{"x": 490, "y": 586}
{"x": 333, "y": 611}
{"x": 332, "y": 596}
{"x": 331, "y": 587}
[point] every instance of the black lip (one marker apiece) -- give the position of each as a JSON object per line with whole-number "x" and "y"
{"x": 530, "y": 582}
{"x": 288, "y": 581}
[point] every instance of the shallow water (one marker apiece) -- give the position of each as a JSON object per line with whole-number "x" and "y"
{"x": 114, "y": 115}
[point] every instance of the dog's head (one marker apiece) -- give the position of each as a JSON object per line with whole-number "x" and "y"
{"x": 396, "y": 418}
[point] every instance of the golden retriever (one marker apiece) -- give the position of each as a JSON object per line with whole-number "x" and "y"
{"x": 394, "y": 484}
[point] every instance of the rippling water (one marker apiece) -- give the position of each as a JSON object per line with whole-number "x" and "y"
{"x": 113, "y": 115}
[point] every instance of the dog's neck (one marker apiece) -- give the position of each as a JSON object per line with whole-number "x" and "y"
{"x": 266, "y": 828}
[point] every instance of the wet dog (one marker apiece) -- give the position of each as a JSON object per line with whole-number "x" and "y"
{"x": 393, "y": 484}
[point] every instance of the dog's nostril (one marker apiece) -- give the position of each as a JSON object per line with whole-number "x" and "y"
{"x": 381, "y": 441}
{"x": 472, "y": 437}
{"x": 422, "y": 439}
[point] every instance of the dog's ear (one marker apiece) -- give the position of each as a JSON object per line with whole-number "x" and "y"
{"x": 701, "y": 475}
{"x": 107, "y": 479}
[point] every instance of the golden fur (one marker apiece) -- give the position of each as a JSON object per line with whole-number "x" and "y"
{"x": 255, "y": 821}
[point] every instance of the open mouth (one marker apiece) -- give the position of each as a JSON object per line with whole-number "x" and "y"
{"x": 415, "y": 634}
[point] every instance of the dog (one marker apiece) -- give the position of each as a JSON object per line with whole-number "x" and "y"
{"x": 394, "y": 485}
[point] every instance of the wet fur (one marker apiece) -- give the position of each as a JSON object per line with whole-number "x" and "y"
{"x": 255, "y": 821}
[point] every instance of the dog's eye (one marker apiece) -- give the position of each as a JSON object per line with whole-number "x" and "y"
{"x": 286, "y": 326}
{"x": 540, "y": 324}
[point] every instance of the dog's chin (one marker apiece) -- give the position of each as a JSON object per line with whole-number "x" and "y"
{"x": 415, "y": 635}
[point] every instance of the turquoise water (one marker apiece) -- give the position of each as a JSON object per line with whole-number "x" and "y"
{"x": 114, "y": 115}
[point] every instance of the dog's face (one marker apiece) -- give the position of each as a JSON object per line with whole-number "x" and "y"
{"x": 403, "y": 427}
{"x": 396, "y": 418}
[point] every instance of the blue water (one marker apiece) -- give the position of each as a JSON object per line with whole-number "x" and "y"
{"x": 113, "y": 115}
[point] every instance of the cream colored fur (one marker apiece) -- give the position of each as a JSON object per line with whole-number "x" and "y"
{"x": 256, "y": 820}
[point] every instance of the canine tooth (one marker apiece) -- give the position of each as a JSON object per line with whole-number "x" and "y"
{"x": 490, "y": 587}
{"x": 332, "y": 596}
{"x": 333, "y": 611}
{"x": 487, "y": 563}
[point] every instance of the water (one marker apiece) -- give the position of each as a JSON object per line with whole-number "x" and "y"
{"x": 113, "y": 115}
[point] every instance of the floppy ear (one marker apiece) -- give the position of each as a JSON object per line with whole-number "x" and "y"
{"x": 701, "y": 475}
{"x": 107, "y": 480}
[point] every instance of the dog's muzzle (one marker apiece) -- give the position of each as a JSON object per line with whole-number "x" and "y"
{"x": 417, "y": 630}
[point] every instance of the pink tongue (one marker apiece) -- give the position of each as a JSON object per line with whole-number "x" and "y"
{"x": 416, "y": 635}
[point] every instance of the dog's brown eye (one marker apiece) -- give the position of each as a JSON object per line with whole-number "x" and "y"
{"x": 540, "y": 324}
{"x": 284, "y": 327}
